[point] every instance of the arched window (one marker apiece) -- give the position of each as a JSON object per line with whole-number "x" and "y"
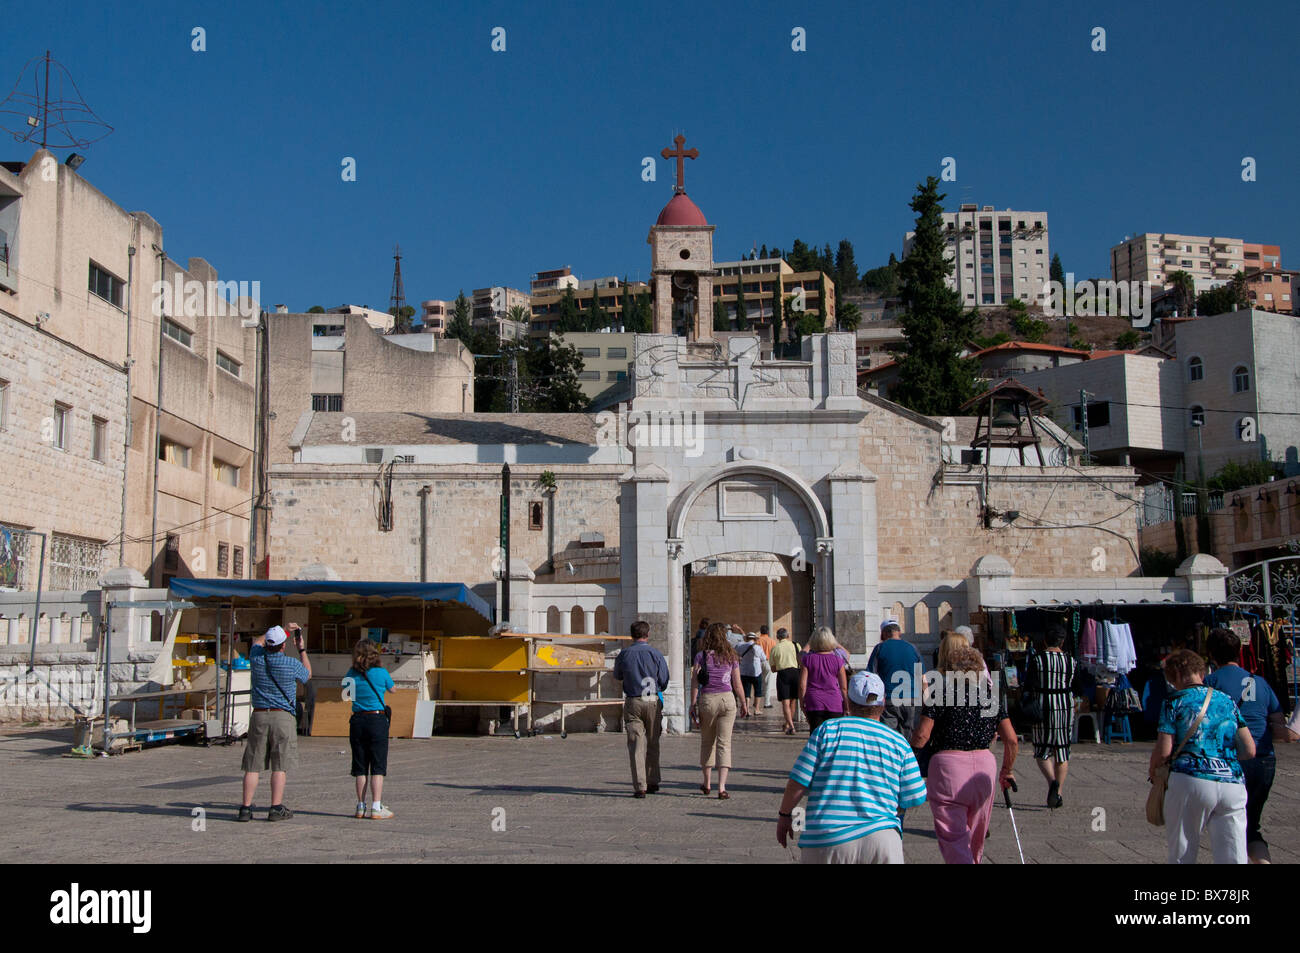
{"x": 1240, "y": 379}
{"x": 1198, "y": 416}
{"x": 1195, "y": 369}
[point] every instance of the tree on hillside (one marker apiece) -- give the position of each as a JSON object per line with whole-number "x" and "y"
{"x": 742, "y": 317}
{"x": 933, "y": 378}
{"x": 883, "y": 280}
{"x": 762, "y": 252}
{"x": 403, "y": 322}
{"x": 570, "y": 317}
{"x": 848, "y": 316}
{"x": 1184, "y": 287}
{"x": 846, "y": 269}
{"x": 801, "y": 259}
{"x": 1222, "y": 299}
{"x": 553, "y": 370}
{"x": 315, "y": 309}
{"x": 595, "y": 318}
{"x": 1057, "y": 270}
{"x": 460, "y": 326}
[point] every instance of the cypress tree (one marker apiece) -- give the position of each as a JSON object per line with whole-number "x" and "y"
{"x": 933, "y": 378}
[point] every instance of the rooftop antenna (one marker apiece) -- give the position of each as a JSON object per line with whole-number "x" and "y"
{"x": 58, "y": 117}
{"x": 397, "y": 301}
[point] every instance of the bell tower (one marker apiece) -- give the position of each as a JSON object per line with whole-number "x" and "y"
{"x": 681, "y": 243}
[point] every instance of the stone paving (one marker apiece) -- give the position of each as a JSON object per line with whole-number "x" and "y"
{"x": 542, "y": 799}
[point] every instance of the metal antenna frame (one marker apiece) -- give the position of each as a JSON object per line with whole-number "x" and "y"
{"x": 40, "y": 114}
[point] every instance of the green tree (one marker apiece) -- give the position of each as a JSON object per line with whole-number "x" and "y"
{"x": 933, "y": 378}
{"x": 801, "y": 259}
{"x": 742, "y": 317}
{"x": 315, "y": 309}
{"x": 643, "y": 315}
{"x": 883, "y": 280}
{"x": 762, "y": 252}
{"x": 849, "y": 316}
{"x": 553, "y": 379}
{"x": 595, "y": 317}
{"x": 1128, "y": 340}
{"x": 625, "y": 306}
{"x": 1057, "y": 272}
{"x": 778, "y": 313}
{"x": 1223, "y": 299}
{"x": 402, "y": 320}
{"x": 571, "y": 318}
{"x": 1184, "y": 287}
{"x": 846, "y": 269}
{"x": 460, "y": 326}
{"x": 1029, "y": 329}
{"x": 993, "y": 340}
{"x": 720, "y": 320}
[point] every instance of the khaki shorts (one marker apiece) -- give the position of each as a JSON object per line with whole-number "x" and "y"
{"x": 272, "y": 743}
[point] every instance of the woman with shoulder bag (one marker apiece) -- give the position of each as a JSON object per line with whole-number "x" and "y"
{"x": 716, "y": 696}
{"x": 1196, "y": 765}
{"x": 368, "y": 729}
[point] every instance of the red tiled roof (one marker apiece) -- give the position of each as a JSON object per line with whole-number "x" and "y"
{"x": 1027, "y": 346}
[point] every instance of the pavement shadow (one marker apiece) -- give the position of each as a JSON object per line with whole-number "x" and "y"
{"x": 222, "y": 811}
{"x": 525, "y": 789}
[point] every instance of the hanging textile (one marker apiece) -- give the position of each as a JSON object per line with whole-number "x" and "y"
{"x": 1117, "y": 651}
{"x": 1273, "y": 653}
{"x": 1089, "y": 645}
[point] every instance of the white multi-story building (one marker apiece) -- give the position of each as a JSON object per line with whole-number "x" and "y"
{"x": 998, "y": 257}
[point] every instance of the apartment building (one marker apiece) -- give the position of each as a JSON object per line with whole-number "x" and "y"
{"x": 1274, "y": 289}
{"x": 127, "y": 391}
{"x": 998, "y": 256}
{"x": 605, "y": 359}
{"x": 1211, "y": 261}
{"x": 762, "y": 280}
{"x": 609, "y": 295}
{"x": 338, "y": 363}
{"x": 556, "y": 279}
{"x": 491, "y": 307}
{"x": 434, "y": 316}
{"x": 1231, "y": 394}
{"x": 381, "y": 321}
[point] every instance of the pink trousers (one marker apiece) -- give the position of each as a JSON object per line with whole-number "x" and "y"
{"x": 960, "y": 790}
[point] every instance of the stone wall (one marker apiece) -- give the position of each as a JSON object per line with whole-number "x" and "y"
{"x": 930, "y": 522}
{"x": 326, "y": 514}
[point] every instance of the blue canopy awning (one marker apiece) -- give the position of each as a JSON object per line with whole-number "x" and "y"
{"x": 225, "y": 590}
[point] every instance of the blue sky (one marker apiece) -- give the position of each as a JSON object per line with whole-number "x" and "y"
{"x": 488, "y": 167}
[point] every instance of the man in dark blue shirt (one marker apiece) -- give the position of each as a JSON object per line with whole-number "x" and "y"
{"x": 898, "y": 664}
{"x": 643, "y": 670}
{"x": 1260, "y": 709}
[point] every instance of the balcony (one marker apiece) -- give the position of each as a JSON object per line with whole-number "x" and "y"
{"x": 8, "y": 276}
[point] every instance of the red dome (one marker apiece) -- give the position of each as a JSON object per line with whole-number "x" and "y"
{"x": 680, "y": 210}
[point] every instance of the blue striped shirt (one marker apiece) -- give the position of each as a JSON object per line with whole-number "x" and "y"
{"x": 859, "y": 774}
{"x": 275, "y": 689}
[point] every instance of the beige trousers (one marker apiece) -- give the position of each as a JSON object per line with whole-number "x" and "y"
{"x": 882, "y": 847}
{"x": 717, "y": 717}
{"x": 641, "y": 724}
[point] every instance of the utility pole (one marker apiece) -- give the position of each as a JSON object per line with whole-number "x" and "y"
{"x": 397, "y": 300}
{"x": 1083, "y": 425}
{"x": 505, "y": 544}
{"x": 514, "y": 381}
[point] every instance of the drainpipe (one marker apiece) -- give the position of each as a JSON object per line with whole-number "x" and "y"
{"x": 424, "y": 532}
{"x": 255, "y": 476}
{"x": 126, "y": 443}
{"x": 157, "y": 423}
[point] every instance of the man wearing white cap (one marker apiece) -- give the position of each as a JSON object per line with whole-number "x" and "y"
{"x": 858, "y": 775}
{"x": 272, "y": 743}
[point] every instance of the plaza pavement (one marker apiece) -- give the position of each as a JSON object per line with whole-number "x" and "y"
{"x": 549, "y": 800}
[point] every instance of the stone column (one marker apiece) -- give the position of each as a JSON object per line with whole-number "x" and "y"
{"x": 1206, "y": 579}
{"x": 856, "y": 583}
{"x": 589, "y": 627}
{"x": 663, "y": 304}
{"x": 704, "y": 308}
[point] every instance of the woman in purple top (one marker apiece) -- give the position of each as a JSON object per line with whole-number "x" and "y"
{"x": 823, "y": 679}
{"x": 714, "y": 704}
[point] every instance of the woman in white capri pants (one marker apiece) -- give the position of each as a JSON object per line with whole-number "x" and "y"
{"x": 1206, "y": 788}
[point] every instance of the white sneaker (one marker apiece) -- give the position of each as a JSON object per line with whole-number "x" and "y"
{"x": 381, "y": 813}
{"x": 361, "y": 810}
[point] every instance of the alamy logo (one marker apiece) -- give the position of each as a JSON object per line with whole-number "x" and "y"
{"x": 652, "y": 428}
{"x": 77, "y": 906}
{"x": 1086, "y": 299}
{"x": 218, "y": 299}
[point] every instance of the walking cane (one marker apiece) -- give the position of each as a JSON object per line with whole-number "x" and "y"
{"x": 1006, "y": 796}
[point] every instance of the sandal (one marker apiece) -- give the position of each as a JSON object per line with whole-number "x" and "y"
{"x": 705, "y": 791}
{"x": 724, "y": 796}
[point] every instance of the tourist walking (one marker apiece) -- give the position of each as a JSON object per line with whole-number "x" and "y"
{"x": 823, "y": 681}
{"x": 368, "y": 681}
{"x": 1207, "y": 739}
{"x": 272, "y": 743}
{"x": 1049, "y": 676}
{"x": 699, "y": 636}
{"x": 716, "y": 696}
{"x": 785, "y": 671}
{"x": 1262, "y": 712}
{"x": 859, "y": 776}
{"x": 963, "y": 776}
{"x": 898, "y": 664}
{"x": 643, "y": 670}
{"x": 767, "y": 643}
{"x": 752, "y": 664}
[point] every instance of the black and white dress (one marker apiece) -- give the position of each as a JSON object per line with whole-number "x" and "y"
{"x": 1051, "y": 674}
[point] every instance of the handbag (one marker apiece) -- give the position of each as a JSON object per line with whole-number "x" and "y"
{"x": 388, "y": 711}
{"x": 703, "y": 677}
{"x": 1160, "y": 779}
{"x": 1031, "y": 701}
